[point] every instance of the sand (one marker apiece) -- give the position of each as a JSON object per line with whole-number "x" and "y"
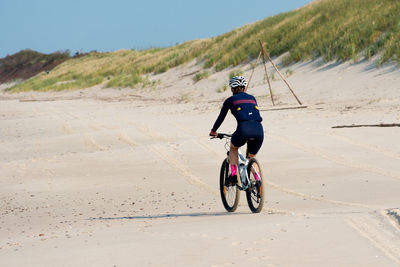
{"x": 129, "y": 177}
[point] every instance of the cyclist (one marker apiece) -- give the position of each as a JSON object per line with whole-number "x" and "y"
{"x": 249, "y": 128}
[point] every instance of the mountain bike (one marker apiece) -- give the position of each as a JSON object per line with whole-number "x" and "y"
{"x": 251, "y": 181}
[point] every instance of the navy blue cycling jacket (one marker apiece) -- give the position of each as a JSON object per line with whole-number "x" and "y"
{"x": 243, "y": 107}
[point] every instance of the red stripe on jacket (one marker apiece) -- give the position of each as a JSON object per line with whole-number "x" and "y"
{"x": 244, "y": 101}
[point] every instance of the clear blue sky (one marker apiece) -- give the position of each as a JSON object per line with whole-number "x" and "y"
{"x": 51, "y": 25}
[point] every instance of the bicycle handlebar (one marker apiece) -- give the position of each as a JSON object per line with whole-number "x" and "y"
{"x": 221, "y": 136}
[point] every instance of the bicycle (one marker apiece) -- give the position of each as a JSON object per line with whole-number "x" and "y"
{"x": 251, "y": 179}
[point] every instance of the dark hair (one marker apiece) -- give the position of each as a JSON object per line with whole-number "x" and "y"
{"x": 238, "y": 89}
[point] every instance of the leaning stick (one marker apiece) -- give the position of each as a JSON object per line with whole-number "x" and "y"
{"x": 368, "y": 125}
{"x": 266, "y": 73}
{"x": 286, "y": 108}
{"x": 258, "y": 58}
{"x": 283, "y": 78}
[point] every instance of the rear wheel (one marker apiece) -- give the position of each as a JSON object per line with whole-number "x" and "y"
{"x": 255, "y": 193}
{"x": 230, "y": 195}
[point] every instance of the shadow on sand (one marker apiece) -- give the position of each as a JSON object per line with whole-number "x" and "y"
{"x": 171, "y": 215}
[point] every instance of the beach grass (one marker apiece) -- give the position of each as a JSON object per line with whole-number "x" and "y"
{"x": 334, "y": 30}
{"x": 235, "y": 73}
{"x": 201, "y": 75}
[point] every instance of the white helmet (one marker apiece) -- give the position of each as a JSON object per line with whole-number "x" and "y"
{"x": 237, "y": 81}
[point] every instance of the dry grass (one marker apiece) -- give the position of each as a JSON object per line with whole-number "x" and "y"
{"x": 331, "y": 29}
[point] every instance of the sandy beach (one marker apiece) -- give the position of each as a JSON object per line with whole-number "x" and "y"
{"x": 129, "y": 177}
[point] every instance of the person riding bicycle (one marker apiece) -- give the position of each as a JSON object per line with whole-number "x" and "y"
{"x": 249, "y": 128}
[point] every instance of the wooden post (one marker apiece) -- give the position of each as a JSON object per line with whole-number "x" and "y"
{"x": 280, "y": 74}
{"x": 258, "y": 58}
{"x": 266, "y": 73}
{"x": 368, "y": 125}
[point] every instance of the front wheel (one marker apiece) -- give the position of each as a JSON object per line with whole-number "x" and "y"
{"x": 229, "y": 194}
{"x": 255, "y": 193}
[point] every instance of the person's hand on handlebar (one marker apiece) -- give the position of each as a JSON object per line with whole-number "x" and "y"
{"x": 213, "y": 134}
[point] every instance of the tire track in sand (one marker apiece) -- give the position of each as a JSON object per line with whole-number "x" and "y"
{"x": 123, "y": 137}
{"x": 146, "y": 131}
{"x": 320, "y": 199}
{"x": 56, "y": 115}
{"x": 280, "y": 187}
{"x": 116, "y": 132}
{"x": 89, "y": 141}
{"x": 95, "y": 125}
{"x": 386, "y": 152}
{"x": 199, "y": 142}
{"x": 334, "y": 158}
{"x": 378, "y": 233}
{"x": 196, "y": 181}
{"x": 173, "y": 162}
{"x": 217, "y": 156}
{"x": 181, "y": 169}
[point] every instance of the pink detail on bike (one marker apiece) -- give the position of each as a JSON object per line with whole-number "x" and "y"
{"x": 257, "y": 176}
{"x": 234, "y": 169}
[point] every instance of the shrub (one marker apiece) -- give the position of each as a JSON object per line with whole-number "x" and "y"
{"x": 235, "y": 73}
{"x": 222, "y": 88}
{"x": 201, "y": 75}
{"x": 289, "y": 72}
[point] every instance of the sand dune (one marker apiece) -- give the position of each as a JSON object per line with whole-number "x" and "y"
{"x": 104, "y": 177}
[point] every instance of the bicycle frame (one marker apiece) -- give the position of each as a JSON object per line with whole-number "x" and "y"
{"x": 230, "y": 194}
{"x": 242, "y": 164}
{"x": 242, "y": 168}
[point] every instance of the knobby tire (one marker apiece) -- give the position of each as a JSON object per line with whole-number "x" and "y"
{"x": 255, "y": 194}
{"x": 230, "y": 195}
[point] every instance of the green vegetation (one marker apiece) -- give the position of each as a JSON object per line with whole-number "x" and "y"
{"x": 288, "y": 72}
{"x": 222, "y": 88}
{"x": 329, "y": 29}
{"x": 272, "y": 76}
{"x": 124, "y": 68}
{"x": 201, "y": 75}
{"x": 235, "y": 73}
{"x": 185, "y": 97}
